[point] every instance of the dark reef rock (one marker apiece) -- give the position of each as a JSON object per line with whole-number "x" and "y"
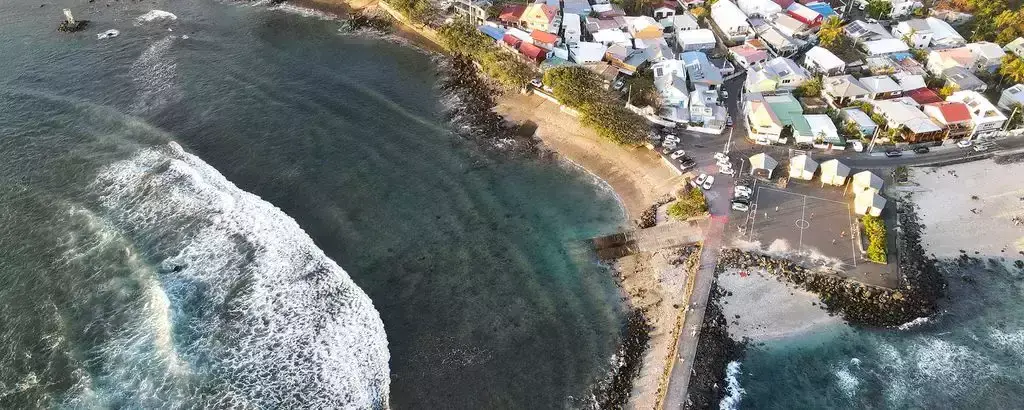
{"x": 715, "y": 349}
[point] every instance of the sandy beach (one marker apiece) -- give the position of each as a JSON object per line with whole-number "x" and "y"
{"x": 768, "y": 308}
{"x": 970, "y": 207}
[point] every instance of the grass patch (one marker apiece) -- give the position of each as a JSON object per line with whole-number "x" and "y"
{"x": 874, "y": 228}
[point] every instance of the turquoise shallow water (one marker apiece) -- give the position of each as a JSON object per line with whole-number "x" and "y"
{"x": 971, "y": 355}
{"x": 135, "y": 280}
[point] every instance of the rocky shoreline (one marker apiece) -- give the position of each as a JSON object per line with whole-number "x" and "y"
{"x": 922, "y": 284}
{"x": 715, "y": 349}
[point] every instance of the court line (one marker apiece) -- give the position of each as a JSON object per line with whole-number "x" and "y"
{"x": 806, "y": 196}
{"x": 853, "y": 243}
{"x": 803, "y": 212}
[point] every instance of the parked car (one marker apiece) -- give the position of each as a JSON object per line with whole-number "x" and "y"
{"x": 686, "y": 163}
{"x": 720, "y": 156}
{"x": 701, "y": 178}
{"x": 743, "y": 191}
{"x": 618, "y": 85}
{"x": 921, "y": 149}
{"x": 728, "y": 120}
{"x": 669, "y": 144}
{"x": 740, "y": 205}
{"x": 537, "y": 83}
{"x": 964, "y": 143}
{"x": 677, "y": 154}
{"x": 893, "y": 153}
{"x": 857, "y": 146}
{"x": 980, "y": 147}
{"x": 709, "y": 182}
{"x": 804, "y": 146}
{"x": 667, "y": 150}
{"x": 672, "y": 138}
{"x": 726, "y": 170}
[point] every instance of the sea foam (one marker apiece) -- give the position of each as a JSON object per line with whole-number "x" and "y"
{"x": 261, "y": 314}
{"x": 733, "y": 390}
{"x": 153, "y": 15}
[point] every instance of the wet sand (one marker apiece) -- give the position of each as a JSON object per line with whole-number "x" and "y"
{"x": 769, "y": 308}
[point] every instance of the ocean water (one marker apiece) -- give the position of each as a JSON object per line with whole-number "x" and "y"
{"x": 970, "y": 355}
{"x": 243, "y": 207}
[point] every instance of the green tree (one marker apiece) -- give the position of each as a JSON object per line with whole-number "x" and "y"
{"x": 874, "y": 228}
{"x": 946, "y": 91}
{"x": 460, "y": 37}
{"x": 809, "y": 88}
{"x": 831, "y": 33}
{"x": 574, "y": 86}
{"x": 1015, "y": 117}
{"x": 1012, "y": 68}
{"x": 878, "y": 9}
{"x": 691, "y": 204}
{"x": 581, "y": 89}
{"x": 641, "y": 90}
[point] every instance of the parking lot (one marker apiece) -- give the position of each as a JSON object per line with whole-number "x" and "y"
{"x": 820, "y": 230}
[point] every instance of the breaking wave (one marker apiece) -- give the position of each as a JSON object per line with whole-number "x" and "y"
{"x": 154, "y": 74}
{"x": 259, "y": 314}
{"x": 155, "y": 15}
{"x": 733, "y": 390}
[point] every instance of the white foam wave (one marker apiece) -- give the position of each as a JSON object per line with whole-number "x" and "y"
{"x": 303, "y": 11}
{"x": 734, "y": 393}
{"x": 153, "y": 15}
{"x": 269, "y": 319}
{"x": 846, "y": 381}
{"x": 1012, "y": 341}
{"x": 108, "y": 34}
{"x": 913, "y": 323}
{"x": 154, "y": 74}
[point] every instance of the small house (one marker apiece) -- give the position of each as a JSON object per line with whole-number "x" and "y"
{"x": 805, "y": 14}
{"x": 802, "y": 167}
{"x": 820, "y": 60}
{"x": 985, "y": 117}
{"x": 1012, "y": 97}
{"x": 953, "y": 116}
{"x": 861, "y": 31}
{"x": 664, "y": 10}
{"x": 834, "y": 172}
{"x": 539, "y": 16}
{"x": 917, "y": 32}
{"x": 762, "y": 165}
{"x": 731, "y": 20}
{"x": 881, "y": 87}
{"x": 866, "y": 181}
{"x": 868, "y": 203}
{"x": 510, "y": 14}
{"x": 543, "y": 39}
{"x": 788, "y": 25}
{"x": 1015, "y": 47}
{"x": 780, "y": 44}
{"x": 746, "y": 55}
{"x": 695, "y": 40}
{"x": 962, "y": 79}
{"x": 912, "y": 124}
{"x": 841, "y": 90}
{"x": 943, "y": 34}
{"x": 988, "y": 56}
{"x": 759, "y": 8}
{"x": 860, "y": 119}
{"x": 884, "y": 47}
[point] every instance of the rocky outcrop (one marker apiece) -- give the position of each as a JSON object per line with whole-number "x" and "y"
{"x": 715, "y": 349}
{"x": 649, "y": 217}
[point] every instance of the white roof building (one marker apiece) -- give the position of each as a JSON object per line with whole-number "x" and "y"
{"x": 684, "y": 21}
{"x": 670, "y": 81}
{"x": 612, "y": 36}
{"x": 820, "y": 60}
{"x": 834, "y": 172}
{"x": 868, "y": 203}
{"x": 943, "y": 34}
{"x": 788, "y": 25}
{"x": 1015, "y": 47}
{"x": 802, "y": 167}
{"x": 989, "y": 56}
{"x": 586, "y": 52}
{"x": 762, "y": 164}
{"x": 1012, "y": 97}
{"x": 863, "y": 31}
{"x": 759, "y": 8}
{"x": 885, "y": 47}
{"x": 881, "y": 86}
{"x": 572, "y": 30}
{"x": 731, "y": 20}
{"x": 866, "y": 181}
{"x": 779, "y": 73}
{"x": 985, "y": 116}
{"x": 909, "y": 82}
{"x": 899, "y": 114}
{"x": 694, "y": 40}
{"x": 822, "y": 128}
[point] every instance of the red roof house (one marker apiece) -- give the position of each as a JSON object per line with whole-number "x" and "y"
{"x": 543, "y": 39}
{"x": 953, "y": 116}
{"x": 534, "y": 53}
{"x": 511, "y": 41}
{"x": 784, "y": 3}
{"x": 923, "y": 96}
{"x": 511, "y": 13}
{"x": 804, "y": 14}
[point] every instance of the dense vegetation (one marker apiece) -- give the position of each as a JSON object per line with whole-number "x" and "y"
{"x": 581, "y": 89}
{"x": 460, "y": 37}
{"x": 689, "y": 205}
{"x": 419, "y": 11}
{"x": 874, "y": 228}
{"x": 1000, "y": 21}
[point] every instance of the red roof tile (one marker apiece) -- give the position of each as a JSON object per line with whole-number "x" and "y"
{"x": 535, "y": 53}
{"x": 511, "y": 40}
{"x": 924, "y": 96}
{"x": 511, "y": 12}
{"x": 544, "y": 37}
{"x": 954, "y": 111}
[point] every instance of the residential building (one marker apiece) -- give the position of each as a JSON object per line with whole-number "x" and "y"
{"x": 866, "y": 181}
{"x": 804, "y": 14}
{"x": 923, "y": 96}
{"x": 627, "y": 60}
{"x": 868, "y": 203}
{"x": 769, "y": 115}
{"x": 900, "y": 8}
{"x": 881, "y": 87}
{"x": 684, "y": 21}
{"x": 953, "y": 116}
{"x": 572, "y": 28}
{"x": 492, "y": 31}
{"x": 940, "y": 60}
{"x": 909, "y": 82}
{"x": 596, "y": 24}
{"x": 943, "y": 34}
{"x": 543, "y": 39}
{"x": 821, "y": 131}
{"x": 861, "y": 120}
{"x": 605, "y": 71}
{"x": 834, "y": 172}
{"x": 822, "y": 8}
{"x": 961, "y": 79}
{"x": 913, "y": 125}
{"x": 988, "y": 56}
{"x": 822, "y": 61}
{"x": 664, "y": 10}
{"x": 884, "y": 47}
{"x": 587, "y": 52}
{"x": 762, "y": 165}
{"x": 747, "y": 55}
{"x": 510, "y": 15}
{"x": 1012, "y": 97}
{"x": 759, "y": 8}
{"x": 577, "y": 7}
{"x": 644, "y": 27}
{"x": 731, "y": 21}
{"x": 861, "y": 31}
{"x": 705, "y": 111}
{"x": 779, "y": 73}
{"x": 788, "y": 25}
{"x": 841, "y": 90}
{"x": 916, "y": 32}
{"x": 779, "y": 44}
{"x": 540, "y": 16}
{"x": 802, "y": 167}
{"x": 700, "y": 72}
{"x": 694, "y": 40}
{"x": 953, "y": 17}
{"x": 670, "y": 81}
{"x": 1015, "y": 47}
{"x": 532, "y": 52}
{"x": 475, "y": 11}
{"x": 985, "y": 116}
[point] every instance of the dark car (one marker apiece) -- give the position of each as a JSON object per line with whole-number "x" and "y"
{"x": 893, "y": 153}
{"x": 804, "y": 146}
{"x": 921, "y": 149}
{"x": 686, "y": 163}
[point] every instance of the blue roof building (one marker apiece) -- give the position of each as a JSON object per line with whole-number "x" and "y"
{"x": 491, "y": 31}
{"x": 822, "y": 8}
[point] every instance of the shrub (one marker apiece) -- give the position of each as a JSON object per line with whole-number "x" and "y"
{"x": 506, "y": 68}
{"x": 874, "y": 227}
{"x": 581, "y": 89}
{"x": 689, "y": 205}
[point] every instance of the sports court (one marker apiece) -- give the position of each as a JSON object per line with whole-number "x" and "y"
{"x": 811, "y": 226}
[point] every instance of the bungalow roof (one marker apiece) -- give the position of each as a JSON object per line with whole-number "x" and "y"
{"x": 880, "y": 84}
{"x": 923, "y": 96}
{"x": 543, "y": 37}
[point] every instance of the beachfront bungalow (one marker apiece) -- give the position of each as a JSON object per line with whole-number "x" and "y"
{"x": 762, "y": 165}
{"x": 953, "y": 116}
{"x": 769, "y": 115}
{"x": 860, "y": 119}
{"x": 822, "y": 61}
{"x": 868, "y": 203}
{"x": 802, "y": 167}
{"x": 1011, "y": 97}
{"x": 985, "y": 117}
{"x": 866, "y": 181}
{"x": 820, "y": 130}
{"x": 841, "y": 90}
{"x": 912, "y": 124}
{"x": 834, "y": 172}
{"x": 731, "y": 21}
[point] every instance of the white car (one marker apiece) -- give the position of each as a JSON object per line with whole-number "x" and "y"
{"x": 964, "y": 143}
{"x": 726, "y": 171}
{"x": 677, "y": 154}
{"x": 672, "y": 138}
{"x": 700, "y": 179}
{"x": 857, "y": 146}
{"x": 980, "y": 147}
{"x": 708, "y": 182}
{"x": 721, "y": 157}
{"x": 743, "y": 191}
{"x": 739, "y": 206}
{"x": 669, "y": 144}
